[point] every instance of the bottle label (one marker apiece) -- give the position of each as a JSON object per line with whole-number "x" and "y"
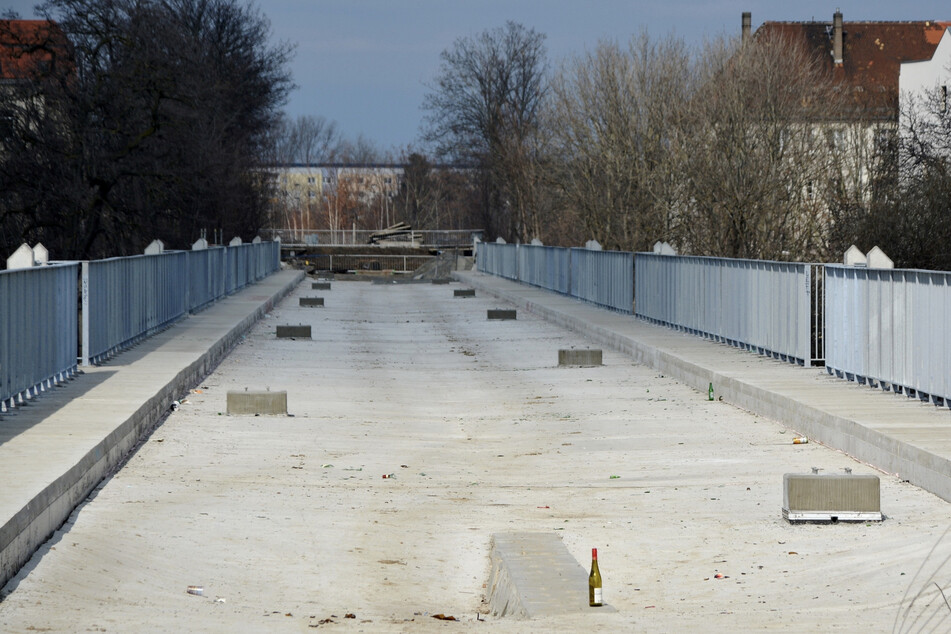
{"x": 597, "y": 595}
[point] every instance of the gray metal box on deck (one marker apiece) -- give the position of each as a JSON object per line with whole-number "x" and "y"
{"x": 833, "y": 497}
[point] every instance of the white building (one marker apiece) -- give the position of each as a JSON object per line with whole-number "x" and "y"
{"x": 923, "y": 92}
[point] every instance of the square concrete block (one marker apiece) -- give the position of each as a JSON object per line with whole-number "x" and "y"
{"x": 320, "y": 286}
{"x": 293, "y": 332}
{"x": 464, "y": 292}
{"x": 441, "y": 280}
{"x": 579, "y": 357}
{"x": 812, "y": 497}
{"x": 500, "y": 313}
{"x": 311, "y": 301}
{"x": 261, "y": 403}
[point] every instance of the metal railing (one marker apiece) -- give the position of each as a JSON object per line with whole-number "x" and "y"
{"x": 759, "y": 305}
{"x": 125, "y": 300}
{"x": 605, "y": 278}
{"x": 359, "y": 237}
{"x": 886, "y": 328}
{"x": 38, "y": 338}
{"x": 368, "y": 262}
{"x": 206, "y": 282}
{"x": 498, "y": 259}
{"x": 547, "y": 267}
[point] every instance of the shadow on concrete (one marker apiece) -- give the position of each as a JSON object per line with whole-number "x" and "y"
{"x": 16, "y": 421}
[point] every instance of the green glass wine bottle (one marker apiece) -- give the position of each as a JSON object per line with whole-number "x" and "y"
{"x": 594, "y": 581}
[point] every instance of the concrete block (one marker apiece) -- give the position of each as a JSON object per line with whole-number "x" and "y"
{"x": 500, "y": 313}
{"x": 293, "y": 332}
{"x": 441, "y": 280}
{"x": 533, "y": 575}
{"x": 320, "y": 286}
{"x": 464, "y": 292}
{"x": 257, "y": 402}
{"x": 579, "y": 357}
{"x": 41, "y": 255}
{"x": 22, "y": 258}
{"x": 156, "y": 247}
{"x": 834, "y": 497}
{"x": 311, "y": 301}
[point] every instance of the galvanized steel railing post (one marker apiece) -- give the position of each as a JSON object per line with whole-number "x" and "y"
{"x": 84, "y": 286}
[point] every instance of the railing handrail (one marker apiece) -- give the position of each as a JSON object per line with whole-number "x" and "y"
{"x": 124, "y": 299}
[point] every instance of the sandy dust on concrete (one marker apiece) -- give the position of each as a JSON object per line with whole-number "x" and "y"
{"x": 288, "y": 524}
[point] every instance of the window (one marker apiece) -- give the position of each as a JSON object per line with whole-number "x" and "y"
{"x": 883, "y": 139}
{"x": 838, "y": 139}
{"x": 311, "y": 180}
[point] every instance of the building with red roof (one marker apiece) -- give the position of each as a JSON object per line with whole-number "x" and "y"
{"x": 31, "y": 49}
{"x": 865, "y": 58}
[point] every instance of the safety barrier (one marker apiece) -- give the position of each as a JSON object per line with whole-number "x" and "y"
{"x": 605, "y": 278}
{"x": 125, "y": 300}
{"x": 885, "y": 328}
{"x": 38, "y": 338}
{"x": 759, "y": 305}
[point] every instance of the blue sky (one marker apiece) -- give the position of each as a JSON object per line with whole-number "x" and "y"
{"x": 365, "y": 63}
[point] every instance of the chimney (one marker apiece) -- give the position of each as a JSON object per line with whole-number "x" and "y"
{"x": 747, "y": 19}
{"x": 837, "y": 37}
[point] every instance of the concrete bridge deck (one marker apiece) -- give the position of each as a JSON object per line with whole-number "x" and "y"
{"x": 288, "y": 524}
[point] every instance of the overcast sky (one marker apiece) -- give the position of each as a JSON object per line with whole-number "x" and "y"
{"x": 365, "y": 63}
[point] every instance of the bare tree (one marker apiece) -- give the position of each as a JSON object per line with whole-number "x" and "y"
{"x": 616, "y": 123}
{"x": 757, "y": 151}
{"x": 153, "y": 127}
{"x": 484, "y": 111}
{"x": 307, "y": 139}
{"x": 905, "y": 209}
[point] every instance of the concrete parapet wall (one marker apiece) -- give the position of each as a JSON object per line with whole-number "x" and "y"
{"x": 26, "y": 531}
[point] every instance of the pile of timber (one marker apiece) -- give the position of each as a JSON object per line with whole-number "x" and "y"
{"x": 400, "y": 234}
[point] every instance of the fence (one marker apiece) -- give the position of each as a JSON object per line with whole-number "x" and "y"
{"x": 605, "y": 278}
{"x": 123, "y": 301}
{"x": 498, "y": 259}
{"x": 127, "y": 299}
{"x": 358, "y": 237}
{"x": 38, "y": 337}
{"x": 767, "y": 307}
{"x": 886, "y": 327}
{"x": 368, "y": 262}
